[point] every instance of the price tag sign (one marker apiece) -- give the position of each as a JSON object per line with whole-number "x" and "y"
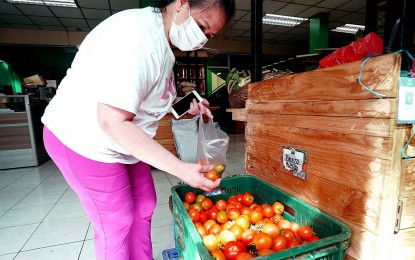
{"x": 406, "y": 101}
{"x": 294, "y": 161}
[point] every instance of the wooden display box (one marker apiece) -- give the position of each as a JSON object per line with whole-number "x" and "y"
{"x": 354, "y": 170}
{"x": 164, "y": 135}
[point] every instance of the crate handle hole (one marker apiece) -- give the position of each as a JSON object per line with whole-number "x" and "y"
{"x": 288, "y": 209}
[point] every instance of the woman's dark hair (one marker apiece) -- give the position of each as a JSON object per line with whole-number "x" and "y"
{"x": 227, "y": 5}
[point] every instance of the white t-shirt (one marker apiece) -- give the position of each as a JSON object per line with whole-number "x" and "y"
{"x": 125, "y": 62}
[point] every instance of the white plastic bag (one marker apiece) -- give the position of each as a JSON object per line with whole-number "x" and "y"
{"x": 212, "y": 143}
{"x": 185, "y": 136}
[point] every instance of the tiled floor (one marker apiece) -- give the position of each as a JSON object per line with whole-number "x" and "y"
{"x": 41, "y": 218}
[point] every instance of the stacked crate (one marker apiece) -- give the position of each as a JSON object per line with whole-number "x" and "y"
{"x": 355, "y": 171}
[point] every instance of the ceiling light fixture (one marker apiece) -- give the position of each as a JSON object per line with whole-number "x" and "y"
{"x": 282, "y": 20}
{"x": 61, "y": 3}
{"x": 349, "y": 28}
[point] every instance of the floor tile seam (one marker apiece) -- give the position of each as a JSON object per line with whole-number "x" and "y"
{"x": 47, "y": 221}
{"x": 60, "y": 244}
{"x": 42, "y": 221}
{"x": 26, "y": 196}
{"x": 28, "y": 224}
{"x": 83, "y": 242}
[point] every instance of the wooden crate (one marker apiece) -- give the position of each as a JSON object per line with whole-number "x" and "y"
{"x": 355, "y": 171}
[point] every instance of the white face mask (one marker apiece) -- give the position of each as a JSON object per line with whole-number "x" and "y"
{"x": 187, "y": 36}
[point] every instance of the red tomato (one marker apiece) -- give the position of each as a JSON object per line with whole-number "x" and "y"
{"x": 271, "y": 229}
{"x": 231, "y": 200}
{"x": 257, "y": 207}
{"x": 206, "y": 203}
{"x": 245, "y": 211}
{"x": 203, "y": 217}
{"x": 293, "y": 243}
{"x": 305, "y": 232}
{"x": 288, "y": 234}
{"x": 265, "y": 252}
{"x": 279, "y": 243}
{"x": 215, "y": 229}
{"x": 268, "y": 211}
{"x": 237, "y": 230}
{"x": 209, "y": 223}
{"x": 238, "y": 204}
{"x": 247, "y": 199}
{"x": 298, "y": 238}
{"x": 244, "y": 256}
{"x": 190, "y": 197}
{"x": 238, "y": 197}
{"x": 212, "y": 175}
{"x": 262, "y": 241}
{"x": 278, "y": 208}
{"x": 194, "y": 215}
{"x": 255, "y": 216}
{"x": 218, "y": 255}
{"x": 230, "y": 206}
{"x": 248, "y": 236}
{"x": 212, "y": 213}
{"x": 313, "y": 238}
{"x": 233, "y": 213}
{"x": 221, "y": 204}
{"x": 202, "y": 231}
{"x": 276, "y": 218}
{"x": 232, "y": 249}
{"x": 186, "y": 205}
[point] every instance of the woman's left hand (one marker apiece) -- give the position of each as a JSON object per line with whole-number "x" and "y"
{"x": 200, "y": 108}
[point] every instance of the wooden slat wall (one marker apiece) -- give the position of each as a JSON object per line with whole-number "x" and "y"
{"x": 340, "y": 85}
{"x": 407, "y": 194}
{"x": 15, "y": 137}
{"x": 352, "y": 140}
{"x": 403, "y": 244}
{"x": 13, "y": 118}
{"x": 164, "y": 135}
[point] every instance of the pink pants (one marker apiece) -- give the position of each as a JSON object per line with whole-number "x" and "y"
{"x": 118, "y": 199}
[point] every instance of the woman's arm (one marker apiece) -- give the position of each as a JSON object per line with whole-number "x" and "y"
{"x": 117, "y": 124}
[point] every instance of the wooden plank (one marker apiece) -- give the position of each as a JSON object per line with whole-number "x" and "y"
{"x": 356, "y": 206}
{"x": 388, "y": 209}
{"x": 329, "y": 164}
{"x": 13, "y": 118}
{"x": 376, "y": 108}
{"x": 403, "y": 245}
{"x": 410, "y": 150}
{"x": 15, "y": 137}
{"x": 376, "y": 147}
{"x": 408, "y": 211}
{"x": 362, "y": 243}
{"x": 238, "y": 114}
{"x": 334, "y": 83}
{"x": 408, "y": 177}
{"x": 164, "y": 132}
{"x": 360, "y": 126}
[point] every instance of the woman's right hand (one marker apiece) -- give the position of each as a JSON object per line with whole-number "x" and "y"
{"x": 194, "y": 175}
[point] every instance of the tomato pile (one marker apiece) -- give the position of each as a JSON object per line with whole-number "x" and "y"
{"x": 239, "y": 228}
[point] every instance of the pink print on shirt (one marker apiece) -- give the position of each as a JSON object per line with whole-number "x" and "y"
{"x": 169, "y": 88}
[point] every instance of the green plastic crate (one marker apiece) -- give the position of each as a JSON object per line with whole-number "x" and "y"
{"x": 334, "y": 235}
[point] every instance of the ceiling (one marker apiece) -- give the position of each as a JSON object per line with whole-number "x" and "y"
{"x": 91, "y": 12}
{"x": 53, "y": 61}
